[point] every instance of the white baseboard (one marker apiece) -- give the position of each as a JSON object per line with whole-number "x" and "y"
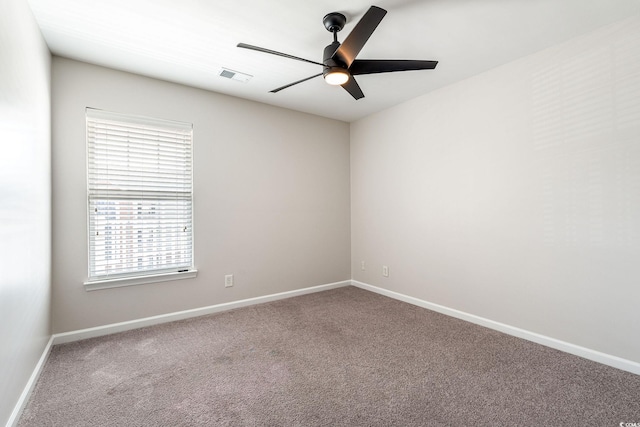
{"x": 26, "y": 393}
{"x": 186, "y": 314}
{"x": 596, "y": 356}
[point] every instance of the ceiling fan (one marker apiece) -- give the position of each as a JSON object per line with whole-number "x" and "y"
{"x": 339, "y": 63}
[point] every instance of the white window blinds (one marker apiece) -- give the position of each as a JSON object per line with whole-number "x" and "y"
{"x": 139, "y": 195}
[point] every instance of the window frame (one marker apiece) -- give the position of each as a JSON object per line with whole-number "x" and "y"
{"x": 132, "y": 278}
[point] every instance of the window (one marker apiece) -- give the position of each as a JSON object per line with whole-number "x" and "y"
{"x": 139, "y": 188}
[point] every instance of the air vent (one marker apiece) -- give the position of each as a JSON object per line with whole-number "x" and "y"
{"x": 234, "y": 75}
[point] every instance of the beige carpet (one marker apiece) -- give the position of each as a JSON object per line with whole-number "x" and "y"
{"x": 345, "y": 357}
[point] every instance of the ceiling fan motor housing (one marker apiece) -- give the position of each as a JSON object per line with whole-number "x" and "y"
{"x": 334, "y": 71}
{"x": 328, "y": 60}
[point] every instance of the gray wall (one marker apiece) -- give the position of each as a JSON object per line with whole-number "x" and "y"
{"x": 271, "y": 197}
{"x": 514, "y": 195}
{"x": 25, "y": 197}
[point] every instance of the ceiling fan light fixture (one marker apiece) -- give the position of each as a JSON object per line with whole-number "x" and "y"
{"x": 336, "y": 76}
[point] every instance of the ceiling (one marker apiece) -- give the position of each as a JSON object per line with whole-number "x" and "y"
{"x": 190, "y": 41}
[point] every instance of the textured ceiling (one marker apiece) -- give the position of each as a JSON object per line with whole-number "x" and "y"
{"x": 190, "y": 41}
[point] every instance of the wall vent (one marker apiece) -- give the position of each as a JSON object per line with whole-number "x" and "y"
{"x": 234, "y": 75}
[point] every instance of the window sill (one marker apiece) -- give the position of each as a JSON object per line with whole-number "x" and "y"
{"x": 95, "y": 285}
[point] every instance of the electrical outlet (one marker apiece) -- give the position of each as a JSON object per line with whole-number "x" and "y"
{"x": 228, "y": 280}
{"x": 362, "y": 265}
{"x": 385, "y": 271}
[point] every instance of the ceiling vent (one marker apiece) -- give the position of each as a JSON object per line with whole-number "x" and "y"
{"x": 234, "y": 75}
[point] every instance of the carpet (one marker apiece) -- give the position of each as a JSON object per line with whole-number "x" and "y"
{"x": 343, "y": 357}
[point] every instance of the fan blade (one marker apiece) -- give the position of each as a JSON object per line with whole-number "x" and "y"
{"x": 355, "y": 41}
{"x": 294, "y": 83}
{"x": 273, "y": 52}
{"x": 353, "y": 88}
{"x": 372, "y": 66}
